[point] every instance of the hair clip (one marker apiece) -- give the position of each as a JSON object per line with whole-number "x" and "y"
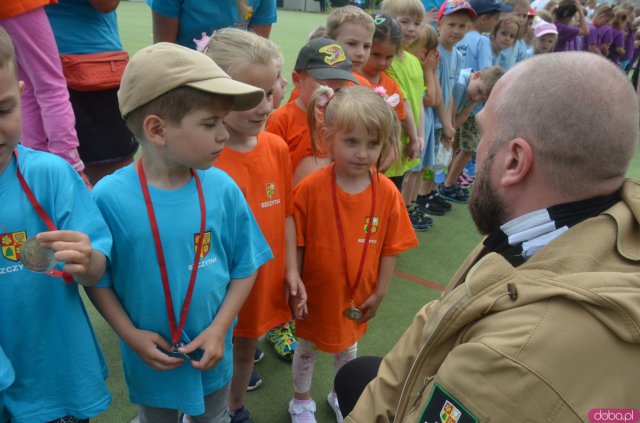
{"x": 202, "y": 43}
{"x": 391, "y": 100}
{"x": 379, "y": 20}
{"x": 324, "y": 98}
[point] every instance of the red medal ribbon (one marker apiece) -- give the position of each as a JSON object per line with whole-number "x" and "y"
{"x": 175, "y": 331}
{"x": 66, "y": 277}
{"x": 343, "y": 247}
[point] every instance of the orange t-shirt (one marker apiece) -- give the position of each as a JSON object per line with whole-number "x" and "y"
{"x": 392, "y": 87}
{"x": 264, "y": 176}
{"x": 11, "y": 8}
{"x": 289, "y": 122}
{"x": 323, "y": 270}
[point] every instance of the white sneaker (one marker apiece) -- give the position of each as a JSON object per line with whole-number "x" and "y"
{"x": 303, "y": 413}
{"x": 332, "y": 399}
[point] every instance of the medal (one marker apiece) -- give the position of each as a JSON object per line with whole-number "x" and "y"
{"x": 176, "y": 329}
{"x": 351, "y": 312}
{"x": 33, "y": 254}
{"x": 36, "y": 257}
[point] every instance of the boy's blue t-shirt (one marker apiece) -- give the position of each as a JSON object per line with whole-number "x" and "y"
{"x": 198, "y": 16}
{"x": 7, "y": 375}
{"x": 79, "y": 28}
{"x": 460, "y": 97}
{"x": 448, "y": 72}
{"x": 475, "y": 50}
{"x": 45, "y": 331}
{"x": 234, "y": 249}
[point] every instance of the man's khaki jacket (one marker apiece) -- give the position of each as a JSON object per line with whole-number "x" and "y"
{"x": 547, "y": 341}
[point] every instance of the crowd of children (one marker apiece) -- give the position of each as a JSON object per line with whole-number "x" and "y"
{"x": 221, "y": 230}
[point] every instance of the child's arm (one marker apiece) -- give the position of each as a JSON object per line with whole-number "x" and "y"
{"x": 144, "y": 343}
{"x": 464, "y": 114}
{"x": 413, "y": 148}
{"x": 211, "y": 340}
{"x": 371, "y": 304}
{"x": 73, "y": 248}
{"x": 294, "y": 303}
{"x": 421, "y": 125}
{"x": 164, "y": 28}
{"x": 582, "y": 24}
{"x": 445, "y": 118}
{"x": 294, "y": 288}
{"x": 429, "y": 65}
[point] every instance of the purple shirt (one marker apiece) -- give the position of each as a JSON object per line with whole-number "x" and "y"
{"x": 591, "y": 39}
{"x": 566, "y": 37}
{"x": 629, "y": 46}
{"x": 604, "y": 35}
{"x": 617, "y": 41}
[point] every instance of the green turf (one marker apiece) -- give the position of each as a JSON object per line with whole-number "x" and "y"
{"x": 441, "y": 250}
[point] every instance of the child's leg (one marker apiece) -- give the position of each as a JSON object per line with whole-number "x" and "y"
{"x": 468, "y": 137}
{"x": 215, "y": 406}
{"x": 243, "y": 351}
{"x": 37, "y": 55}
{"x": 410, "y": 188}
{"x": 156, "y": 415}
{"x": 343, "y": 357}
{"x": 304, "y": 360}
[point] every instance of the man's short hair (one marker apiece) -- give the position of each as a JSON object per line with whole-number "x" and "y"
{"x": 395, "y": 8}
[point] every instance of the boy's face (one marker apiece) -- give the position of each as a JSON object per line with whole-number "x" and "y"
{"x": 10, "y": 114}
{"x": 199, "y": 137}
{"x": 249, "y": 123}
{"x": 356, "y": 42}
{"x": 307, "y": 85}
{"x": 476, "y": 90}
{"x": 278, "y": 91}
{"x": 506, "y": 36}
{"x": 409, "y": 26}
{"x": 544, "y": 44}
{"x": 452, "y": 28}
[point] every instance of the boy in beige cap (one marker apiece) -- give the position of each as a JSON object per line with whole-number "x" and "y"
{"x": 186, "y": 246}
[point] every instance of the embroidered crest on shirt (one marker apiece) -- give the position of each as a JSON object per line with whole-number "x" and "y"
{"x": 442, "y": 407}
{"x": 11, "y": 243}
{"x": 270, "y": 189}
{"x": 333, "y": 54}
{"x": 449, "y": 413}
{"x": 374, "y": 225}
{"x": 206, "y": 243}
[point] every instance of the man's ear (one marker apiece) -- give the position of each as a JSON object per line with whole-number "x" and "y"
{"x": 517, "y": 162}
{"x": 154, "y": 129}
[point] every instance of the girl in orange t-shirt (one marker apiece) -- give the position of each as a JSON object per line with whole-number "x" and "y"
{"x": 351, "y": 223}
{"x": 259, "y": 163}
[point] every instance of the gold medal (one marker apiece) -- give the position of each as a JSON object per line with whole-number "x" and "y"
{"x": 36, "y": 257}
{"x": 352, "y": 313}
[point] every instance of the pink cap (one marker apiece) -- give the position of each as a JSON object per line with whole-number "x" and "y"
{"x": 543, "y": 28}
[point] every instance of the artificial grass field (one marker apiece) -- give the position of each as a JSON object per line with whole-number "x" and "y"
{"x": 441, "y": 250}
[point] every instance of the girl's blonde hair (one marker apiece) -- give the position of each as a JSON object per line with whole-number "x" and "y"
{"x": 619, "y": 18}
{"x": 233, "y": 49}
{"x": 426, "y": 38}
{"x": 348, "y": 108}
{"x": 505, "y": 20}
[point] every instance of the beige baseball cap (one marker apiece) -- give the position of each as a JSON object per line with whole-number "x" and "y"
{"x": 161, "y": 67}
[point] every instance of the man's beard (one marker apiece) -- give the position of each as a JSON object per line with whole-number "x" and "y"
{"x": 487, "y": 209}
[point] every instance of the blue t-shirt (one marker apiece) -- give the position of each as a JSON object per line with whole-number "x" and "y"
{"x": 460, "y": 97}
{"x": 45, "y": 331}
{"x": 512, "y": 55}
{"x": 431, "y": 4}
{"x": 7, "y": 375}
{"x": 475, "y": 50}
{"x": 448, "y": 72}
{"x": 79, "y": 28}
{"x": 234, "y": 248}
{"x": 198, "y": 16}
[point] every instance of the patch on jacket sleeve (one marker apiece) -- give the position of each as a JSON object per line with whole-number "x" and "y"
{"x": 443, "y": 408}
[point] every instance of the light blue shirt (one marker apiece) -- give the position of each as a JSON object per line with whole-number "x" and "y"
{"x": 512, "y": 55}
{"x": 198, "y": 16}
{"x": 234, "y": 247}
{"x": 448, "y": 71}
{"x": 7, "y": 375}
{"x": 460, "y": 96}
{"x": 475, "y": 50}
{"x": 45, "y": 331}
{"x": 79, "y": 28}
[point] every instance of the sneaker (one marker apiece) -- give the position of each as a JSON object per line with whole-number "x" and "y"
{"x": 464, "y": 182}
{"x": 240, "y": 416}
{"x": 416, "y": 221}
{"x": 259, "y": 355}
{"x": 424, "y": 216}
{"x": 453, "y": 193}
{"x": 302, "y": 411}
{"x": 332, "y": 399}
{"x": 434, "y": 197}
{"x": 255, "y": 381}
{"x": 283, "y": 339}
{"x": 430, "y": 208}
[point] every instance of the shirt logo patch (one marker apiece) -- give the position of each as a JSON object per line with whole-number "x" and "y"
{"x": 11, "y": 243}
{"x": 333, "y": 54}
{"x": 206, "y": 244}
{"x": 270, "y": 189}
{"x": 444, "y": 408}
{"x": 374, "y": 226}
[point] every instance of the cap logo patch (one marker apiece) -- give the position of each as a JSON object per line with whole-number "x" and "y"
{"x": 333, "y": 54}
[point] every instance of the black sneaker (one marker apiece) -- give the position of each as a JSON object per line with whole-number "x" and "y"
{"x": 258, "y": 355}
{"x": 416, "y": 221}
{"x": 254, "y": 382}
{"x": 424, "y": 216}
{"x": 431, "y": 208}
{"x": 433, "y": 198}
{"x": 241, "y": 416}
{"x": 453, "y": 193}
